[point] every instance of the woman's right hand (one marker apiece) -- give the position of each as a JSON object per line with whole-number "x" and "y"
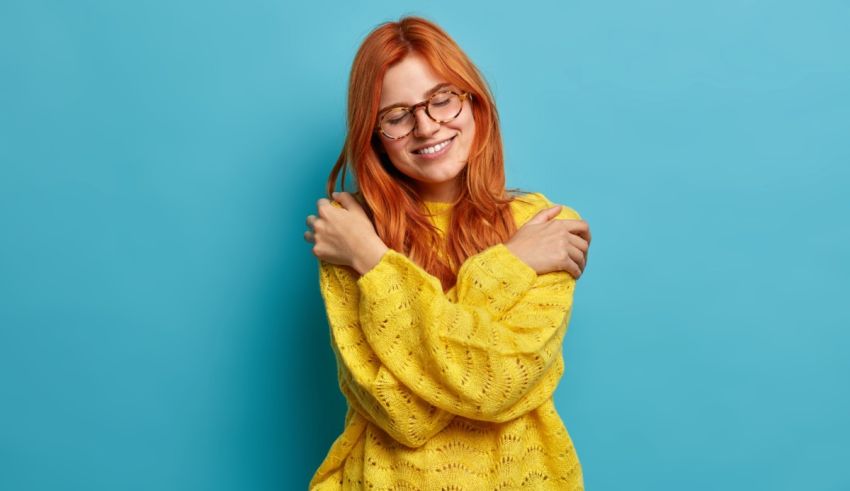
{"x": 548, "y": 245}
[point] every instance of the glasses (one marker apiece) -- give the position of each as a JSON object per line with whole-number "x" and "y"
{"x": 442, "y": 107}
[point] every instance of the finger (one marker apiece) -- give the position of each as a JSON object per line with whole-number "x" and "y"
{"x": 311, "y": 219}
{"x": 572, "y": 268}
{"x": 583, "y": 264}
{"x": 580, "y": 228}
{"x": 578, "y": 259}
{"x": 309, "y": 237}
{"x": 578, "y": 241}
{"x": 348, "y": 201}
{"x": 576, "y": 265}
{"x": 326, "y": 202}
{"x": 545, "y": 215}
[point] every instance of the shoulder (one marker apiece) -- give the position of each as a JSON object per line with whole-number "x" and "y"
{"x": 526, "y": 205}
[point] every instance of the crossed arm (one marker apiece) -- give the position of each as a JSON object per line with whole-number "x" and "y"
{"x": 410, "y": 360}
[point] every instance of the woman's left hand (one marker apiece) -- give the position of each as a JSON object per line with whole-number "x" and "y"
{"x": 343, "y": 234}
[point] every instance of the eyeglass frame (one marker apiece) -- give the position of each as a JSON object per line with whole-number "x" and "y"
{"x": 412, "y": 110}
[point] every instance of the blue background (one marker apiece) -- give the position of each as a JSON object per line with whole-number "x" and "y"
{"x": 160, "y": 320}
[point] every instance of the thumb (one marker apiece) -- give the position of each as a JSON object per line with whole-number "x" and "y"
{"x": 545, "y": 215}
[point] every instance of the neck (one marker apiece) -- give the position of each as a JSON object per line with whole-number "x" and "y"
{"x": 444, "y": 192}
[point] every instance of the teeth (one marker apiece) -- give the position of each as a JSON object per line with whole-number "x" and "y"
{"x": 435, "y": 148}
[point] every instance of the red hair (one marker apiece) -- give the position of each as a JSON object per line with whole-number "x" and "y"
{"x": 481, "y": 214}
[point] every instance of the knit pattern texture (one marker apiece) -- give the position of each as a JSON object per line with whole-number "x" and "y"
{"x": 450, "y": 391}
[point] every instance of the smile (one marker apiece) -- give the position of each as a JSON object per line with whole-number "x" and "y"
{"x": 435, "y": 151}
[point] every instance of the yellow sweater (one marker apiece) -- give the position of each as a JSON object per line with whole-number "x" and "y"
{"x": 450, "y": 391}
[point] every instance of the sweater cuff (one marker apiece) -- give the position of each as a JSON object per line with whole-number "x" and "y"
{"x": 499, "y": 263}
{"x": 495, "y": 278}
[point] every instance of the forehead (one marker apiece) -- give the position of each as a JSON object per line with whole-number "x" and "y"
{"x": 407, "y": 81}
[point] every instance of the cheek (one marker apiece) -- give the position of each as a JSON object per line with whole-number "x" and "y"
{"x": 394, "y": 148}
{"x": 386, "y": 146}
{"x": 396, "y": 154}
{"x": 467, "y": 125}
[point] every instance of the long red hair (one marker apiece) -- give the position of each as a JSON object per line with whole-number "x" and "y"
{"x": 481, "y": 214}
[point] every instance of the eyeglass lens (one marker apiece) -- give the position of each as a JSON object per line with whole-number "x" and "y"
{"x": 442, "y": 107}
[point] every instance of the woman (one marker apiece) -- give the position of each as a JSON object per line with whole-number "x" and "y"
{"x": 447, "y": 297}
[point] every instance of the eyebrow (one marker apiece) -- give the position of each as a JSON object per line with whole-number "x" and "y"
{"x": 427, "y": 95}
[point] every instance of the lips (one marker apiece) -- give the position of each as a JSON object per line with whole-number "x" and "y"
{"x": 417, "y": 149}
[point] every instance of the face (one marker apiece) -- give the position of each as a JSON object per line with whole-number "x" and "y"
{"x": 437, "y": 176}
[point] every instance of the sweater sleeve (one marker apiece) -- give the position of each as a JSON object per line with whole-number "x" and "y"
{"x": 369, "y": 388}
{"x": 492, "y": 355}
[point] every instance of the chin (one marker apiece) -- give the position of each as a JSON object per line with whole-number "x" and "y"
{"x": 435, "y": 176}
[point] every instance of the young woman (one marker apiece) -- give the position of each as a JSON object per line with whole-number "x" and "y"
{"x": 447, "y": 297}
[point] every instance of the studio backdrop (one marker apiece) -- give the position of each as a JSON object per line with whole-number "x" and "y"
{"x": 161, "y": 325}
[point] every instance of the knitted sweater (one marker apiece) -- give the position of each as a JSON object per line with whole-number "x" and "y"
{"x": 450, "y": 391}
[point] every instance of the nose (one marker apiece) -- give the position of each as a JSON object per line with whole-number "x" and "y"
{"x": 425, "y": 126}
